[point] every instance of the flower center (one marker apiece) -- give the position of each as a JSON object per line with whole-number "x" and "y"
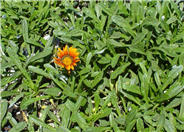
{"x": 67, "y": 60}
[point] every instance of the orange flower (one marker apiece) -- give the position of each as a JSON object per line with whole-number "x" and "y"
{"x": 67, "y": 58}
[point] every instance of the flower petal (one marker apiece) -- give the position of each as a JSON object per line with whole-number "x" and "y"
{"x": 56, "y": 59}
{"x": 72, "y": 67}
{"x": 76, "y": 53}
{"x": 76, "y": 60}
{"x": 60, "y": 53}
{"x": 67, "y": 67}
{"x": 59, "y": 63}
{"x": 65, "y": 50}
{"x": 72, "y": 51}
{"x": 74, "y": 64}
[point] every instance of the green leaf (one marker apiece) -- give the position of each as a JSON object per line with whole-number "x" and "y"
{"x": 130, "y": 126}
{"x": 40, "y": 55}
{"x": 62, "y": 129}
{"x": 161, "y": 122}
{"x": 97, "y": 101}
{"x": 173, "y": 90}
{"x": 38, "y": 122}
{"x": 4, "y": 106}
{"x": 115, "y": 60}
{"x": 181, "y": 114}
{"x": 104, "y": 123}
{"x": 157, "y": 78}
{"x": 171, "y": 20}
{"x": 106, "y": 9}
{"x": 180, "y": 127}
{"x": 76, "y": 117}
{"x": 61, "y": 84}
{"x": 11, "y": 119}
{"x": 51, "y": 69}
{"x": 53, "y": 91}
{"x": 139, "y": 37}
{"x": 13, "y": 77}
{"x": 99, "y": 45}
{"x": 131, "y": 97}
{"x": 98, "y": 129}
{"x": 44, "y": 113}
{"x": 97, "y": 79}
{"x": 174, "y": 103}
{"x": 13, "y": 101}
{"x": 119, "y": 70}
{"x": 65, "y": 115}
{"x": 85, "y": 70}
{"x": 38, "y": 71}
{"x": 8, "y": 93}
{"x": 140, "y": 125}
{"x": 169, "y": 127}
{"x": 80, "y": 102}
{"x": 19, "y": 127}
{"x": 113, "y": 123}
{"x": 24, "y": 105}
{"x": 98, "y": 11}
{"x": 53, "y": 117}
{"x": 150, "y": 20}
{"x": 14, "y": 57}
{"x": 114, "y": 100}
{"x": 104, "y": 60}
{"x": 69, "y": 92}
{"x": 128, "y": 85}
{"x": 120, "y": 21}
{"x": 30, "y": 126}
{"x": 131, "y": 116}
{"x": 70, "y": 105}
{"x": 49, "y": 43}
{"x": 176, "y": 70}
{"x": 25, "y": 29}
{"x": 88, "y": 58}
{"x": 104, "y": 112}
{"x": 116, "y": 35}
{"x": 115, "y": 43}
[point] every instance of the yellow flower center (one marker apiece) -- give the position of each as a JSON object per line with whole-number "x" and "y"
{"x": 67, "y": 60}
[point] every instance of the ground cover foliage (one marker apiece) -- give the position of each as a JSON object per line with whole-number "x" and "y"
{"x": 130, "y": 76}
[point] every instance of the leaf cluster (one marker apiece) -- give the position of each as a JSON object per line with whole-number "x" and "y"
{"x": 130, "y": 77}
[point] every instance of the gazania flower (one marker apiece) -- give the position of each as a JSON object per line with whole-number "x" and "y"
{"x": 67, "y": 58}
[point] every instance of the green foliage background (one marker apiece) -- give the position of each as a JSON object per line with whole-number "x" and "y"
{"x": 130, "y": 77}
